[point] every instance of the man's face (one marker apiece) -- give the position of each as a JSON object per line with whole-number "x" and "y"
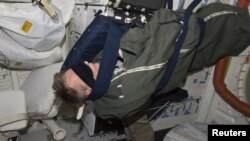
{"x": 74, "y": 82}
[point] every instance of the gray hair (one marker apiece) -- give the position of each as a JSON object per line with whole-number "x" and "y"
{"x": 62, "y": 91}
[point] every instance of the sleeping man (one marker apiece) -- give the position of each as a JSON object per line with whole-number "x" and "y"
{"x": 143, "y": 55}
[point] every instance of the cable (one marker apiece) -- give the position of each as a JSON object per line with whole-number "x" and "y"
{"x": 166, "y": 105}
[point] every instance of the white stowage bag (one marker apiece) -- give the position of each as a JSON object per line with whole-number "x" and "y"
{"x": 13, "y": 55}
{"x": 28, "y": 36}
{"x": 31, "y": 26}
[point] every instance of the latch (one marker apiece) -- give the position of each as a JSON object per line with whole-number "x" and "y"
{"x": 46, "y": 5}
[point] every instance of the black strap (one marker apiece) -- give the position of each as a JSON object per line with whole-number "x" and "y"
{"x": 179, "y": 43}
{"x": 85, "y": 73}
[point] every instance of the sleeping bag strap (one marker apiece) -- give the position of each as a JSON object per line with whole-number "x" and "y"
{"x": 103, "y": 34}
{"x": 169, "y": 4}
{"x": 109, "y": 58}
{"x": 179, "y": 43}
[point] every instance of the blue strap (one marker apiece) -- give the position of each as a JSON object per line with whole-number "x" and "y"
{"x": 170, "y": 4}
{"x": 89, "y": 44}
{"x": 108, "y": 63}
{"x": 103, "y": 33}
{"x": 174, "y": 57}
